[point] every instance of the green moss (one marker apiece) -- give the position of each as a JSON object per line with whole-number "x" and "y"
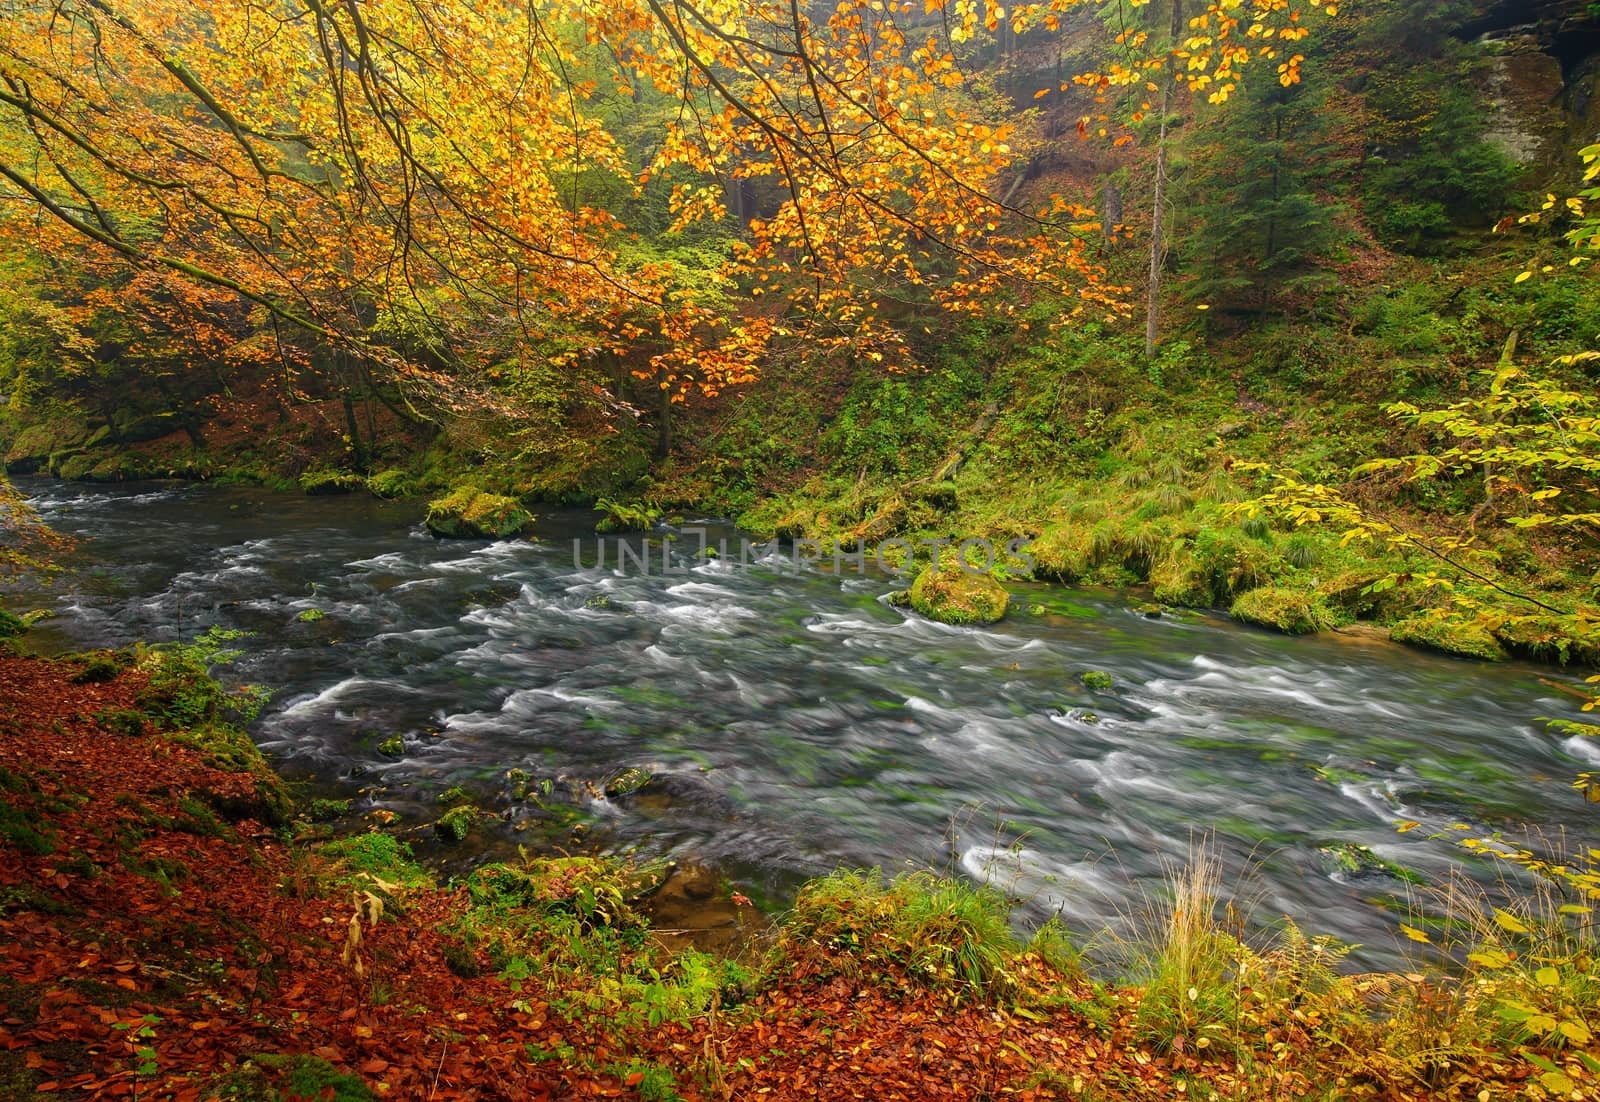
{"x": 957, "y": 597}
{"x": 1462, "y": 638}
{"x": 24, "y": 831}
{"x": 375, "y": 854}
{"x": 1179, "y": 580}
{"x": 391, "y": 483}
{"x": 1291, "y": 611}
{"x": 322, "y": 483}
{"x": 326, "y": 811}
{"x": 287, "y": 1078}
{"x": 394, "y": 746}
{"x": 469, "y": 513}
{"x": 1545, "y": 639}
{"x": 454, "y": 796}
{"x": 311, "y": 615}
{"x": 225, "y": 747}
{"x": 454, "y": 825}
{"x": 11, "y": 626}
{"x": 1097, "y": 681}
{"x": 1061, "y": 553}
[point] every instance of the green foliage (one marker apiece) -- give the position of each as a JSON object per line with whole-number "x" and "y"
{"x": 946, "y": 934}
{"x": 1464, "y": 638}
{"x": 375, "y": 854}
{"x": 1260, "y": 228}
{"x": 620, "y": 517}
{"x": 1292, "y": 611}
{"x": 470, "y": 513}
{"x": 180, "y": 691}
{"x": 1097, "y": 681}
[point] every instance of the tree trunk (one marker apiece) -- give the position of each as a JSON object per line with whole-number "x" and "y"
{"x": 1152, "y": 310}
{"x": 1152, "y": 318}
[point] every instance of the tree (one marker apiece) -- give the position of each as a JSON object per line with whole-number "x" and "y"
{"x": 1259, "y": 223}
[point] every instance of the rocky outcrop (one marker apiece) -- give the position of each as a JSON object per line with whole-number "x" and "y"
{"x": 1543, "y": 78}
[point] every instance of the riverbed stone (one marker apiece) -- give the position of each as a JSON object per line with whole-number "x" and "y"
{"x": 954, "y": 596}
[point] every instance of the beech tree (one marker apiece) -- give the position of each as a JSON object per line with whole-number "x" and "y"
{"x": 402, "y": 198}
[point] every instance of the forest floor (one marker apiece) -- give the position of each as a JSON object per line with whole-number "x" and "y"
{"x": 165, "y": 941}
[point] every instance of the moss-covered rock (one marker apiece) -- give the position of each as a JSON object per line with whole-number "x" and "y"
{"x": 1291, "y": 611}
{"x": 1545, "y": 639}
{"x": 225, "y": 747}
{"x": 11, "y": 626}
{"x": 954, "y": 596}
{"x": 469, "y": 513}
{"x": 454, "y": 825}
{"x": 393, "y": 746}
{"x": 1179, "y": 580}
{"x": 1061, "y": 553}
{"x": 1097, "y": 681}
{"x": 59, "y": 429}
{"x": 72, "y": 467}
{"x": 391, "y": 483}
{"x": 1462, "y": 638}
{"x": 326, "y": 483}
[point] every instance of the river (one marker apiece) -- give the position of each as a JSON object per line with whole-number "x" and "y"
{"x": 794, "y": 721}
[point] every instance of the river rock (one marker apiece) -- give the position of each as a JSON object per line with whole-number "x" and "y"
{"x": 954, "y": 596}
{"x": 471, "y": 513}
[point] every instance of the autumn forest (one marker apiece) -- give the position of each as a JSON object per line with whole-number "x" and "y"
{"x": 694, "y": 549}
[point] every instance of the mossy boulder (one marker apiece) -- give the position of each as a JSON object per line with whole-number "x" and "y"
{"x": 471, "y": 513}
{"x": 391, "y": 483}
{"x": 62, "y": 430}
{"x": 1545, "y": 639}
{"x": 1097, "y": 681}
{"x": 454, "y": 825}
{"x": 1179, "y": 580}
{"x": 227, "y": 748}
{"x": 74, "y": 467}
{"x": 1291, "y": 611}
{"x": 1462, "y": 638}
{"x": 326, "y": 483}
{"x": 1062, "y": 553}
{"x": 954, "y": 596}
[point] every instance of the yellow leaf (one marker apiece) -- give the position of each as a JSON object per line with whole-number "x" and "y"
{"x": 1523, "y": 278}
{"x": 1575, "y": 1031}
{"x": 1409, "y": 824}
{"x": 1507, "y": 921}
{"x": 1414, "y": 934}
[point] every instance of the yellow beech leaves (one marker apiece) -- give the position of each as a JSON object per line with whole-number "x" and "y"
{"x": 433, "y": 188}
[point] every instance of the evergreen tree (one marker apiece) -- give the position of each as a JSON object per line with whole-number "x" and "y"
{"x": 1258, "y": 227}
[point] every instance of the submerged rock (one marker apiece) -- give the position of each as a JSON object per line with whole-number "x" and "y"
{"x": 471, "y": 513}
{"x": 957, "y": 597}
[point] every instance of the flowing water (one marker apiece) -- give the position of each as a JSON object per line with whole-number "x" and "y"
{"x": 795, "y": 721}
